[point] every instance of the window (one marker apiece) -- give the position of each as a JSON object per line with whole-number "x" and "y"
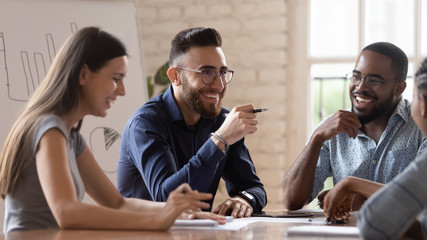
{"x": 329, "y": 89}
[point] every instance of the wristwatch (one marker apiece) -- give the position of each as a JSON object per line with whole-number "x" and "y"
{"x": 247, "y": 196}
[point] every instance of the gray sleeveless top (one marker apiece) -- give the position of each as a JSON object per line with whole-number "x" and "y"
{"x": 26, "y": 208}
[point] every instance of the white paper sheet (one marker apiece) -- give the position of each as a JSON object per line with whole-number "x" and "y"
{"x": 310, "y": 230}
{"x": 206, "y": 224}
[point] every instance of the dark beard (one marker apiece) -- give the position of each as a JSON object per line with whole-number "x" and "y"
{"x": 382, "y": 109}
{"x": 192, "y": 98}
{"x": 368, "y": 118}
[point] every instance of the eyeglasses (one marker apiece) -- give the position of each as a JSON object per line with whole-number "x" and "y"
{"x": 209, "y": 75}
{"x": 370, "y": 81}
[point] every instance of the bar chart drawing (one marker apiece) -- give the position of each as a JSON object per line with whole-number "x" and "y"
{"x": 34, "y": 69}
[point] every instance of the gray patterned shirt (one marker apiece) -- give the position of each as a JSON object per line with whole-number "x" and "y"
{"x": 398, "y": 146}
{"x": 390, "y": 211}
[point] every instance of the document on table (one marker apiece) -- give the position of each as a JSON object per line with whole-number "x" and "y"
{"x": 195, "y": 223}
{"x": 327, "y": 231}
{"x": 207, "y": 224}
{"x": 200, "y": 222}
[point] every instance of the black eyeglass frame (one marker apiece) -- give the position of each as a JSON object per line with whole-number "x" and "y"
{"x": 204, "y": 72}
{"x": 372, "y": 82}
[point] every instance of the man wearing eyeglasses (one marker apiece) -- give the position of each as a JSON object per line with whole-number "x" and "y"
{"x": 185, "y": 135}
{"x": 376, "y": 140}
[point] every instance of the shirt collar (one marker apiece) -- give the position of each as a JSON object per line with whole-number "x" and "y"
{"x": 171, "y": 105}
{"x": 401, "y": 110}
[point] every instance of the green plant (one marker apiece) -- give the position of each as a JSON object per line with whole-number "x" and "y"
{"x": 150, "y": 86}
{"x": 160, "y": 79}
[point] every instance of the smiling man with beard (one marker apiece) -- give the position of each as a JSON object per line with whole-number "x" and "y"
{"x": 186, "y": 136}
{"x": 376, "y": 140}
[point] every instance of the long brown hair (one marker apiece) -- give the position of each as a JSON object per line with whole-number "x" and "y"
{"x": 57, "y": 94}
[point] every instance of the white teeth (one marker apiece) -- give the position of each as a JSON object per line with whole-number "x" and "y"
{"x": 363, "y": 100}
{"x": 211, "y": 95}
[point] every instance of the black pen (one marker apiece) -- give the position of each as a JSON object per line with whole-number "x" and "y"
{"x": 328, "y": 220}
{"x": 256, "y": 110}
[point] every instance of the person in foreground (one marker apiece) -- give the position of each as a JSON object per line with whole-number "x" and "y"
{"x": 376, "y": 140}
{"x": 185, "y": 135}
{"x": 390, "y": 210}
{"x": 46, "y": 166}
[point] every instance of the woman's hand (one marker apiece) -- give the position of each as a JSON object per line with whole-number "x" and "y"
{"x": 203, "y": 215}
{"x": 338, "y": 202}
{"x": 338, "y": 205}
{"x": 181, "y": 200}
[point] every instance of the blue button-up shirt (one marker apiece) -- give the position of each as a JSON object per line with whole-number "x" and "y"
{"x": 159, "y": 151}
{"x": 362, "y": 157}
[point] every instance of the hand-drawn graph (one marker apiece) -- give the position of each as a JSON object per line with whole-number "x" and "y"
{"x": 108, "y": 137}
{"x": 3, "y": 66}
{"x": 34, "y": 67}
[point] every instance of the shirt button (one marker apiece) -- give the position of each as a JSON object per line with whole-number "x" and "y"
{"x": 374, "y": 162}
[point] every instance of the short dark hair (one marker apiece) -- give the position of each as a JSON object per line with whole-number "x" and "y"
{"x": 193, "y": 37}
{"x": 421, "y": 76}
{"x": 399, "y": 60}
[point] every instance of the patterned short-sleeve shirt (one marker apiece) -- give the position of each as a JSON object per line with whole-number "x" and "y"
{"x": 362, "y": 157}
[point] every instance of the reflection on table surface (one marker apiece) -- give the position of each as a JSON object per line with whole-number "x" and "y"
{"x": 264, "y": 228}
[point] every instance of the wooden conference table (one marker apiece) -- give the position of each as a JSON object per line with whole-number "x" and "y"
{"x": 263, "y": 229}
